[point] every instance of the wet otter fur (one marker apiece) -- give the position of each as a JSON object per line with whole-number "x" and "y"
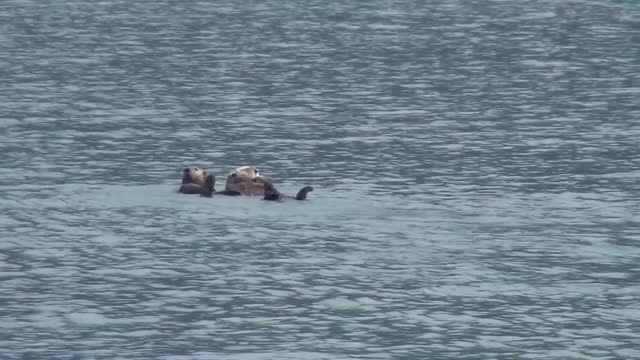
{"x": 272, "y": 194}
{"x": 208, "y": 190}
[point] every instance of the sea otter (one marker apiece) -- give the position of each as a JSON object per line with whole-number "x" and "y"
{"x": 193, "y": 179}
{"x": 241, "y": 180}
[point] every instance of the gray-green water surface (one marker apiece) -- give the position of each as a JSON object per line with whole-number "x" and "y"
{"x": 475, "y": 166}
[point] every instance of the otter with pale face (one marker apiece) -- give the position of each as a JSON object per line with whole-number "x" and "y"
{"x": 241, "y": 180}
{"x": 247, "y": 171}
{"x": 193, "y": 180}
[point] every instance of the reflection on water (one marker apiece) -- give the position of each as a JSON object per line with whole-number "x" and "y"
{"x": 474, "y": 167}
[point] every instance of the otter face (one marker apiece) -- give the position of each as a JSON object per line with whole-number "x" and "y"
{"x": 246, "y": 171}
{"x": 194, "y": 175}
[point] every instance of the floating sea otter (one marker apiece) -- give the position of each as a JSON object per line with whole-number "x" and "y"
{"x": 242, "y": 181}
{"x": 193, "y": 180}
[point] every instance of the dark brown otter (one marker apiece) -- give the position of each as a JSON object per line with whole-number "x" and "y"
{"x": 271, "y": 194}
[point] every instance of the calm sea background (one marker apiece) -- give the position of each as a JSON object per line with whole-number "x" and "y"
{"x": 475, "y": 166}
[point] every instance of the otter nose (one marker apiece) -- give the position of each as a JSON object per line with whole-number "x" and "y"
{"x": 185, "y": 170}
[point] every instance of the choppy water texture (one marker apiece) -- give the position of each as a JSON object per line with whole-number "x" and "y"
{"x": 475, "y": 166}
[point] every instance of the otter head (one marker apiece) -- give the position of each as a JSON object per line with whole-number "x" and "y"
{"x": 194, "y": 175}
{"x": 241, "y": 180}
{"x": 245, "y": 171}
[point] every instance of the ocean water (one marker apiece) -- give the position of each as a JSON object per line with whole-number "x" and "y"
{"x": 475, "y": 166}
